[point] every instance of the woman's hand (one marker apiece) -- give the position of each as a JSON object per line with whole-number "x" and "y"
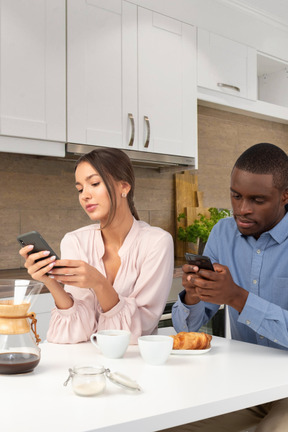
{"x": 82, "y": 275}
{"x": 76, "y": 273}
{"x": 37, "y": 270}
{"x": 53, "y": 273}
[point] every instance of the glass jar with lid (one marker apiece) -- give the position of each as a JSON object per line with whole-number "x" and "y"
{"x": 90, "y": 380}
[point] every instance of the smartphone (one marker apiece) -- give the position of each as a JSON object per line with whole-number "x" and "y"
{"x": 201, "y": 261}
{"x": 35, "y": 239}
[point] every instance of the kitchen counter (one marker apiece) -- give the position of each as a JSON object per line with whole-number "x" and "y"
{"x": 21, "y": 273}
{"x": 185, "y": 389}
{"x": 16, "y": 274}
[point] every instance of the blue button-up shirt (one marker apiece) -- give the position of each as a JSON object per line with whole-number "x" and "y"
{"x": 259, "y": 266}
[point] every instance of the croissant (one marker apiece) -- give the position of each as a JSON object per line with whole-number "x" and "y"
{"x": 191, "y": 340}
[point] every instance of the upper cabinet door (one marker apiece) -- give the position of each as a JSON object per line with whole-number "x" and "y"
{"x": 131, "y": 78}
{"x": 32, "y": 69}
{"x": 167, "y": 85}
{"x": 226, "y": 66}
{"x": 102, "y": 72}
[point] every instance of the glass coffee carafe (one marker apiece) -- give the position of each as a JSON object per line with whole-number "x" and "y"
{"x": 19, "y": 351}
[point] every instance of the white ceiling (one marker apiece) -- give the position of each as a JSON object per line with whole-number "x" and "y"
{"x": 276, "y": 10}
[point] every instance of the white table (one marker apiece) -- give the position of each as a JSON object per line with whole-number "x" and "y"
{"x": 232, "y": 376}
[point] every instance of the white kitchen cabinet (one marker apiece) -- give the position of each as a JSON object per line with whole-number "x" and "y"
{"x": 226, "y": 66}
{"x": 272, "y": 80}
{"x": 166, "y": 84}
{"x": 97, "y": 57}
{"x": 237, "y": 78}
{"x": 32, "y": 71}
{"x": 131, "y": 78}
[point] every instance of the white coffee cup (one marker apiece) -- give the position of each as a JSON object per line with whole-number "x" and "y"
{"x": 155, "y": 349}
{"x": 112, "y": 343}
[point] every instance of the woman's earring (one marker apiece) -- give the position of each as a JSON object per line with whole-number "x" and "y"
{"x": 124, "y": 195}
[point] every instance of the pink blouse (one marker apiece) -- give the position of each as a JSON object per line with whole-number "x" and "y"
{"x": 143, "y": 283}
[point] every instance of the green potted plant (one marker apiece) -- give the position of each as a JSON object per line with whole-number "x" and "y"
{"x": 199, "y": 231}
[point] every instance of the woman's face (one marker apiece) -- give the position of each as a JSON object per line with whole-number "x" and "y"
{"x": 93, "y": 194}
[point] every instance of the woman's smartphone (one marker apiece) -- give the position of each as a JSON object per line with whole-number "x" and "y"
{"x": 35, "y": 239}
{"x": 201, "y": 261}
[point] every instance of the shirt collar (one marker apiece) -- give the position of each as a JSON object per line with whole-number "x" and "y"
{"x": 128, "y": 241}
{"x": 279, "y": 232}
{"x": 130, "y": 238}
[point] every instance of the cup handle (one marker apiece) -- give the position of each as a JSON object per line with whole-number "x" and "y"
{"x": 93, "y": 339}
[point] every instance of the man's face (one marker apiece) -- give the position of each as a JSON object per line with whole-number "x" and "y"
{"x": 257, "y": 205}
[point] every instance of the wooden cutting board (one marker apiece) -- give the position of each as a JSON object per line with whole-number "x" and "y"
{"x": 188, "y": 200}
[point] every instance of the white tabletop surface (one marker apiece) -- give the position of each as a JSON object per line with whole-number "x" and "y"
{"x": 233, "y": 375}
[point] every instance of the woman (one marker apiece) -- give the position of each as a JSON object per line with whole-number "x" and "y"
{"x": 116, "y": 273}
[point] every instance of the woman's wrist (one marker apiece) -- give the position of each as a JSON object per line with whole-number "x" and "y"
{"x": 106, "y": 294}
{"x": 62, "y": 299}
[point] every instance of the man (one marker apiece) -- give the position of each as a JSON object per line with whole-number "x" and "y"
{"x": 250, "y": 252}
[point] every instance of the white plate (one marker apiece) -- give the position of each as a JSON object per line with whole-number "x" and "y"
{"x": 190, "y": 352}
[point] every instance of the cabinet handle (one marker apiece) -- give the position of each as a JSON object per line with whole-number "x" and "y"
{"x": 131, "y": 142}
{"x": 146, "y": 145}
{"x": 228, "y": 86}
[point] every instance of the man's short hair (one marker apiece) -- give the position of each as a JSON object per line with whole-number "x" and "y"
{"x": 266, "y": 158}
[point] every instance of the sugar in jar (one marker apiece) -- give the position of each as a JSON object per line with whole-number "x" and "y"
{"x": 87, "y": 380}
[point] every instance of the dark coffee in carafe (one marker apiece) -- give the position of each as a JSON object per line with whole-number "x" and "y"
{"x": 15, "y": 363}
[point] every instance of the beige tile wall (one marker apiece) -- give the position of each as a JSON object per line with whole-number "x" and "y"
{"x": 38, "y": 193}
{"x": 222, "y": 137}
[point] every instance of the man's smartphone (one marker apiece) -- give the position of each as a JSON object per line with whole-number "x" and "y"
{"x": 201, "y": 261}
{"x": 35, "y": 239}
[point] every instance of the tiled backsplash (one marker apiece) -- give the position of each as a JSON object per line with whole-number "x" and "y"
{"x": 38, "y": 193}
{"x": 222, "y": 137}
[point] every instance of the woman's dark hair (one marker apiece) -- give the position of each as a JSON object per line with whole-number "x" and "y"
{"x": 265, "y": 158}
{"x": 112, "y": 164}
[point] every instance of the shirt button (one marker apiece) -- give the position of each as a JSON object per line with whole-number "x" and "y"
{"x": 248, "y": 322}
{"x": 261, "y": 337}
{"x": 255, "y": 281}
{"x": 275, "y": 340}
{"x": 258, "y": 251}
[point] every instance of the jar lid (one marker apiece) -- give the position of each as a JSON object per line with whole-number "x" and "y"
{"x": 122, "y": 380}
{"x": 84, "y": 370}
{"x": 88, "y": 369}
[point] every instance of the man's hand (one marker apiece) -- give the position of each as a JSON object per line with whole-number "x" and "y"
{"x": 188, "y": 276}
{"x": 215, "y": 287}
